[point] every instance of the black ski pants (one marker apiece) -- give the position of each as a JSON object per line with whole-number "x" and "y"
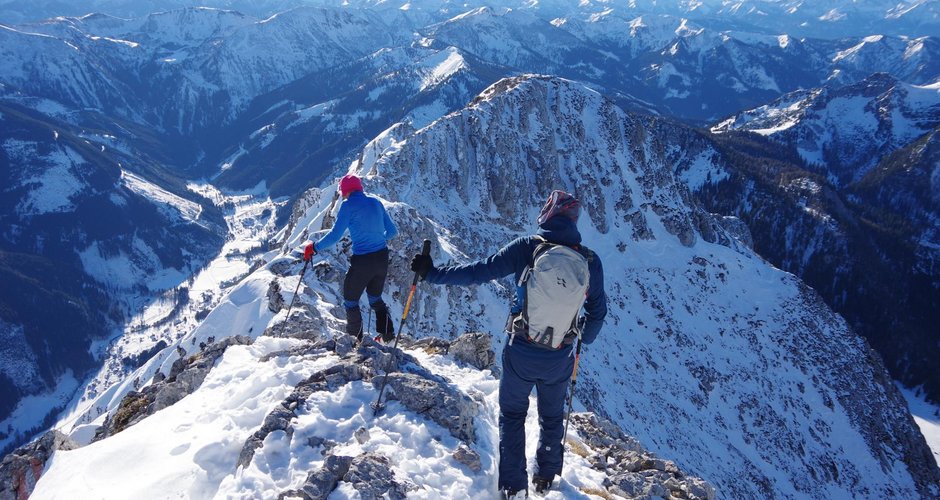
{"x": 367, "y": 273}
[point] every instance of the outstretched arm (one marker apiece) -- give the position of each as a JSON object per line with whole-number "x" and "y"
{"x": 508, "y": 260}
{"x": 339, "y": 227}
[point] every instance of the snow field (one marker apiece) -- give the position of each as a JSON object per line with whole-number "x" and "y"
{"x": 185, "y": 450}
{"x": 927, "y": 418}
{"x": 201, "y": 436}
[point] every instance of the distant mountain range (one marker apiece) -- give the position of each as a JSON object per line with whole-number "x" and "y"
{"x": 796, "y": 17}
{"x": 88, "y": 226}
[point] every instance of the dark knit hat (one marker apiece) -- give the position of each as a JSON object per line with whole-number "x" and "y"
{"x": 560, "y": 203}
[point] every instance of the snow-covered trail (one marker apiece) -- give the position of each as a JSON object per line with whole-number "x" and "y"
{"x": 200, "y": 438}
{"x": 250, "y": 217}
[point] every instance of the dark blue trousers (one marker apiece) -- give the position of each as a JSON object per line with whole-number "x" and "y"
{"x": 526, "y": 366}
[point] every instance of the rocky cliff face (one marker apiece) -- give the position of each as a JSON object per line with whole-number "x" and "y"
{"x": 708, "y": 351}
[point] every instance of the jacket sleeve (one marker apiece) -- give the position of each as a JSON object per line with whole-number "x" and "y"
{"x": 510, "y": 259}
{"x": 595, "y": 307}
{"x": 390, "y": 230}
{"x": 339, "y": 227}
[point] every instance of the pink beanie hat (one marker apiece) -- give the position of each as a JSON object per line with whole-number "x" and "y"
{"x": 348, "y": 184}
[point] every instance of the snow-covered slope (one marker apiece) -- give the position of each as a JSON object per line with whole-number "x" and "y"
{"x": 708, "y": 351}
{"x": 869, "y": 183}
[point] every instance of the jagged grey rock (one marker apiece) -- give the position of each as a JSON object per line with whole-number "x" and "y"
{"x": 362, "y": 435}
{"x": 345, "y": 344}
{"x": 737, "y": 228}
{"x": 631, "y": 471}
{"x": 21, "y": 469}
{"x": 475, "y": 349}
{"x": 322, "y": 482}
{"x": 436, "y": 400}
{"x": 305, "y": 323}
{"x": 371, "y": 475}
{"x": 430, "y": 345}
{"x": 468, "y": 457}
{"x": 275, "y": 300}
{"x": 326, "y": 444}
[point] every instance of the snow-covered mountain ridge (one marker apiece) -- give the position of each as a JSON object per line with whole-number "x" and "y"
{"x": 290, "y": 418}
{"x": 743, "y": 360}
{"x": 828, "y": 19}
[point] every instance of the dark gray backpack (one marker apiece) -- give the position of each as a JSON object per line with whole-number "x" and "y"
{"x": 556, "y": 284}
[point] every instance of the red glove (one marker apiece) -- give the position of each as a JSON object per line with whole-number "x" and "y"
{"x": 309, "y": 252}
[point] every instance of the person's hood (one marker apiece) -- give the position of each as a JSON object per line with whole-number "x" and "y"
{"x": 560, "y": 229}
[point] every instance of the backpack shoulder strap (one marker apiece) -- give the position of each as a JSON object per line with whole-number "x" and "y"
{"x": 586, "y": 252}
{"x": 541, "y": 243}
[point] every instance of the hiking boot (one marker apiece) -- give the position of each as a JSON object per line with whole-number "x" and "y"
{"x": 542, "y": 484}
{"x": 354, "y": 322}
{"x": 383, "y": 323}
{"x": 511, "y": 494}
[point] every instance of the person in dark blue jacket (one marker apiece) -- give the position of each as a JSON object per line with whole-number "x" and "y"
{"x": 370, "y": 228}
{"x": 526, "y": 364}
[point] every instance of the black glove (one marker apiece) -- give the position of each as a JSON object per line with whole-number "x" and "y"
{"x": 421, "y": 264}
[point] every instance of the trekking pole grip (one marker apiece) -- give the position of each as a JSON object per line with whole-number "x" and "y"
{"x": 425, "y": 250}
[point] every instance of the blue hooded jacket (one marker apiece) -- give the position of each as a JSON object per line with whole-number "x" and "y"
{"x": 513, "y": 259}
{"x": 368, "y": 223}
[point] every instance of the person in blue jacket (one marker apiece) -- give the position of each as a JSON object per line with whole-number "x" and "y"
{"x": 525, "y": 364}
{"x": 370, "y": 228}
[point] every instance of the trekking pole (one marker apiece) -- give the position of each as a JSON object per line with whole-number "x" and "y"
{"x": 301, "y": 280}
{"x": 574, "y": 379}
{"x": 426, "y": 250}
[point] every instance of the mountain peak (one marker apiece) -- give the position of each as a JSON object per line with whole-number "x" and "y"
{"x": 522, "y": 84}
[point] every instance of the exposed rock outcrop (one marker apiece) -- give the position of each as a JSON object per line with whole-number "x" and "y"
{"x": 632, "y": 472}
{"x": 20, "y": 470}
